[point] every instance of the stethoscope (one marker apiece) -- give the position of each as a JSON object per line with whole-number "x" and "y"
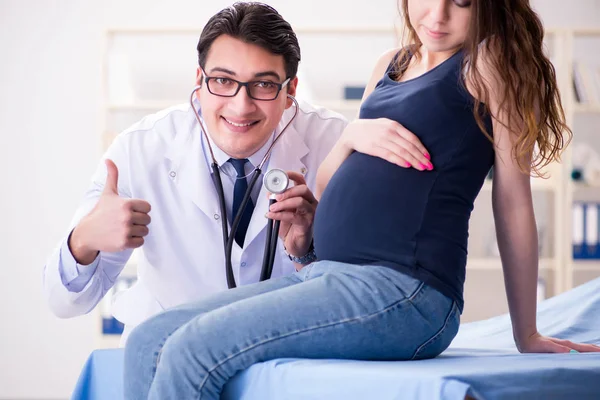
{"x": 275, "y": 181}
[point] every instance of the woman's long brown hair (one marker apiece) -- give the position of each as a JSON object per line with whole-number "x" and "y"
{"x": 513, "y": 36}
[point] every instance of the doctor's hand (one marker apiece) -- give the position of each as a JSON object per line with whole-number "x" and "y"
{"x": 295, "y": 208}
{"x": 113, "y": 225}
{"x": 389, "y": 140}
{"x": 537, "y": 343}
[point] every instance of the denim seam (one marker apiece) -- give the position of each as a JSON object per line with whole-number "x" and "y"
{"x": 157, "y": 353}
{"x": 438, "y": 333}
{"x": 300, "y": 331}
{"x": 308, "y": 271}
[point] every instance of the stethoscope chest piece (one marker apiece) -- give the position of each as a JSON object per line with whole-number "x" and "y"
{"x": 276, "y": 181}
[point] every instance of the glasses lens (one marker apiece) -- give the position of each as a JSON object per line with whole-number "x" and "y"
{"x": 222, "y": 86}
{"x": 259, "y": 90}
{"x": 263, "y": 90}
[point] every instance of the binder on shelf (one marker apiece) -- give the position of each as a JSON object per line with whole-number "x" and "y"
{"x": 591, "y": 230}
{"x": 584, "y": 83}
{"x": 586, "y": 233}
{"x": 353, "y": 92}
{"x": 578, "y": 224}
{"x": 110, "y": 325}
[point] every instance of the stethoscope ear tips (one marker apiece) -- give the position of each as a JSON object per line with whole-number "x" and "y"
{"x": 276, "y": 181}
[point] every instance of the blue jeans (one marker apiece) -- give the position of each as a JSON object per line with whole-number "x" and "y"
{"x": 327, "y": 310}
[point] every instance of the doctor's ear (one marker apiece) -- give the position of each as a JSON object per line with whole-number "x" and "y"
{"x": 291, "y": 91}
{"x": 199, "y": 76}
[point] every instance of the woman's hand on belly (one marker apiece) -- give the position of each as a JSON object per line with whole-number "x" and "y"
{"x": 389, "y": 140}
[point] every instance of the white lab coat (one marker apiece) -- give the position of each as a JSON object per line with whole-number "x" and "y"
{"x": 160, "y": 160}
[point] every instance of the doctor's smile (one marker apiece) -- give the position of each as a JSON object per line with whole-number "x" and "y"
{"x": 239, "y": 127}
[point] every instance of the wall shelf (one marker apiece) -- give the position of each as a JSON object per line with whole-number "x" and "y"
{"x": 582, "y": 108}
{"x": 340, "y": 105}
{"x": 536, "y": 184}
{"x": 586, "y": 265}
{"x": 150, "y": 106}
{"x": 494, "y": 263}
{"x": 316, "y": 30}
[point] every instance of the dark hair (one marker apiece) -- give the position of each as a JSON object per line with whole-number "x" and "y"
{"x": 254, "y": 23}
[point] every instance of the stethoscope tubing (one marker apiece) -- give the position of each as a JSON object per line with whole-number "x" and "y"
{"x": 272, "y": 226}
{"x": 234, "y": 227}
{"x": 270, "y": 246}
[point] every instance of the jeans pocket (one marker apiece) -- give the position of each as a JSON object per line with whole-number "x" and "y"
{"x": 440, "y": 341}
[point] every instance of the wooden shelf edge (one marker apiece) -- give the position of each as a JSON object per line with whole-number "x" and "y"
{"x": 322, "y": 29}
{"x": 536, "y": 184}
{"x": 494, "y": 263}
{"x": 143, "y": 105}
{"x": 582, "y": 264}
{"x": 586, "y": 108}
{"x": 159, "y": 105}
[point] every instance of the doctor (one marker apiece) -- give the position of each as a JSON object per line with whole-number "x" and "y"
{"x": 154, "y": 191}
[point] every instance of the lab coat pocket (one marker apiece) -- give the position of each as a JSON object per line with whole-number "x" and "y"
{"x": 135, "y": 305}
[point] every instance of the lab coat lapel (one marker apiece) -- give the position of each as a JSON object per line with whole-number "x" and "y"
{"x": 287, "y": 155}
{"x": 190, "y": 170}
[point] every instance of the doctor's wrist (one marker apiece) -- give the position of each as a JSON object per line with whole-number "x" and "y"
{"x": 80, "y": 252}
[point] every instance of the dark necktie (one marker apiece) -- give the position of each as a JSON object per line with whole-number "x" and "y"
{"x": 239, "y": 189}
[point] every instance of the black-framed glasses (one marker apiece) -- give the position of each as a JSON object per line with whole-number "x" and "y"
{"x": 257, "y": 90}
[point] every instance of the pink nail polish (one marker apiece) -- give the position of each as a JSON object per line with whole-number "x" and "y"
{"x": 422, "y": 166}
{"x": 408, "y": 165}
{"x": 430, "y": 166}
{"x": 427, "y": 156}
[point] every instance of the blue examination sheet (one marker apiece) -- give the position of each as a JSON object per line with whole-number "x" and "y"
{"x": 482, "y": 363}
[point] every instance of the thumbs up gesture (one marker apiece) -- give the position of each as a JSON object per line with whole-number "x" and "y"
{"x": 114, "y": 224}
{"x": 112, "y": 178}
